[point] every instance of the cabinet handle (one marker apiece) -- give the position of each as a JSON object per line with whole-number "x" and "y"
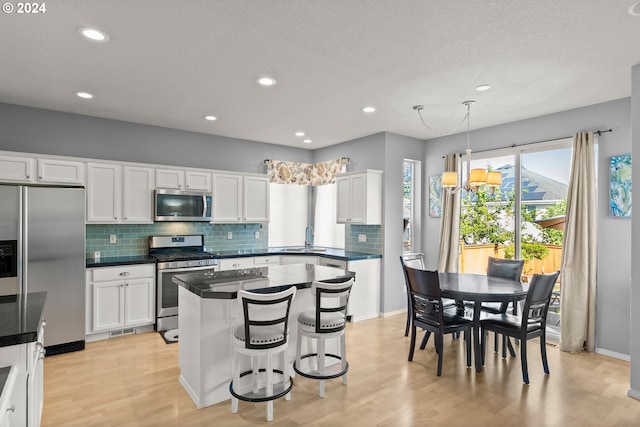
{"x": 39, "y": 177}
{"x": 28, "y": 176}
{"x": 187, "y": 185}
{"x": 125, "y": 217}
{"x": 13, "y": 406}
{"x": 126, "y": 284}
{"x": 236, "y": 265}
{"x": 115, "y": 217}
{"x": 121, "y": 285}
{"x": 124, "y": 273}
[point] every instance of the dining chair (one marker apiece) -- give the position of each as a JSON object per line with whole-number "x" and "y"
{"x": 507, "y": 269}
{"x": 413, "y": 260}
{"x": 429, "y": 314}
{"x": 416, "y": 260}
{"x": 531, "y": 324}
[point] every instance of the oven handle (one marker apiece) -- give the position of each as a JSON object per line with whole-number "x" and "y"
{"x": 204, "y": 205}
{"x": 189, "y": 269}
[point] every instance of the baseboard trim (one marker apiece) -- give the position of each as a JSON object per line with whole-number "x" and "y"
{"x": 633, "y": 393}
{"x": 613, "y": 354}
{"x": 393, "y": 313}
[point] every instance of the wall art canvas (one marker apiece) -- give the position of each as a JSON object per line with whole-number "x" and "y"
{"x": 620, "y": 186}
{"x": 435, "y": 196}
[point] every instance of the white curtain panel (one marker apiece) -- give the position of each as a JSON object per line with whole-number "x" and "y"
{"x": 578, "y": 279}
{"x": 450, "y": 221}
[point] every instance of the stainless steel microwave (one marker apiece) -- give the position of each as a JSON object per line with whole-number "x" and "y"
{"x": 176, "y": 205}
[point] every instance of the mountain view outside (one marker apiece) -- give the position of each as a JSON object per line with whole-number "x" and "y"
{"x": 488, "y": 220}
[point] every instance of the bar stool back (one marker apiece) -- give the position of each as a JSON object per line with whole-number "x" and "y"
{"x": 328, "y": 320}
{"x": 264, "y": 334}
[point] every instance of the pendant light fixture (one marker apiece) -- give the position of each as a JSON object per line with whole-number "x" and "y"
{"x": 475, "y": 177}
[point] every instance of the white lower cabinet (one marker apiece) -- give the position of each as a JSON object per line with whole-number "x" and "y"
{"x": 22, "y": 397}
{"x": 120, "y": 297}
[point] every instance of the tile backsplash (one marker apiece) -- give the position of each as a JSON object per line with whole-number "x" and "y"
{"x": 373, "y": 233}
{"x": 132, "y": 240}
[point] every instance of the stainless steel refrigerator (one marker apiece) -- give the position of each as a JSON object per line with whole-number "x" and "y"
{"x": 42, "y": 248}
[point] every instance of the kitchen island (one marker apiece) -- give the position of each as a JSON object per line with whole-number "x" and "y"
{"x": 208, "y": 311}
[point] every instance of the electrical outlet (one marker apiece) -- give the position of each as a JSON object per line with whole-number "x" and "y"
{"x": 113, "y": 238}
{"x": 362, "y": 237}
{"x": 257, "y": 235}
{"x": 229, "y": 235}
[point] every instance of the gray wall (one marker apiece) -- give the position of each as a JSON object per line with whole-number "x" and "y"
{"x": 35, "y": 130}
{"x": 384, "y": 151}
{"x": 634, "y": 301}
{"x": 614, "y": 234}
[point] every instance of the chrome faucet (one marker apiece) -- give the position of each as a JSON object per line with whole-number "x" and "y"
{"x": 308, "y": 237}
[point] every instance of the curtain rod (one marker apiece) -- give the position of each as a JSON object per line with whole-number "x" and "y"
{"x": 596, "y": 132}
{"x": 265, "y": 161}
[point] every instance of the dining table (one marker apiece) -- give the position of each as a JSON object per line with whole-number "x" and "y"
{"x": 478, "y": 288}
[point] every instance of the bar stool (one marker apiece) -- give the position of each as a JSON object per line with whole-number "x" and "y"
{"x": 263, "y": 335}
{"x": 328, "y": 320}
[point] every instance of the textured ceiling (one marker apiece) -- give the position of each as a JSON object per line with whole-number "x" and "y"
{"x": 169, "y": 63}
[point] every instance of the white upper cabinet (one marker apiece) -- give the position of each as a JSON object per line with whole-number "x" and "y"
{"x": 256, "y": 199}
{"x": 137, "y": 198}
{"x": 54, "y": 171}
{"x": 197, "y": 181}
{"x": 16, "y": 169}
{"x": 179, "y": 179}
{"x": 170, "y": 178}
{"x": 359, "y": 197}
{"x": 103, "y": 193}
{"x": 240, "y": 198}
{"x": 118, "y": 194}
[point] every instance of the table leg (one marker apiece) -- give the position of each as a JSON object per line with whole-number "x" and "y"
{"x": 476, "y": 336}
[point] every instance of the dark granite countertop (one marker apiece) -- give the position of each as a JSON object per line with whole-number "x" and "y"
{"x": 20, "y": 317}
{"x": 225, "y": 284}
{"x": 121, "y": 260}
{"x": 298, "y": 250}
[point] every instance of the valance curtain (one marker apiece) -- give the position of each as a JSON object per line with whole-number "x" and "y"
{"x": 578, "y": 279}
{"x": 450, "y": 222}
{"x": 321, "y": 173}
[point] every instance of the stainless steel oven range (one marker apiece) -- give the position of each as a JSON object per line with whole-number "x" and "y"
{"x": 175, "y": 255}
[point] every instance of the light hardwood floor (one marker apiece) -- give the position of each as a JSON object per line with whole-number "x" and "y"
{"x": 133, "y": 381}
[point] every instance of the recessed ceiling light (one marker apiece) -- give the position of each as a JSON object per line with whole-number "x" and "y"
{"x": 482, "y": 88}
{"x": 210, "y": 118}
{"x": 93, "y": 34}
{"x": 266, "y": 81}
{"x": 635, "y": 9}
{"x": 299, "y": 133}
{"x": 85, "y": 95}
{"x": 369, "y": 109}
{"x": 307, "y": 141}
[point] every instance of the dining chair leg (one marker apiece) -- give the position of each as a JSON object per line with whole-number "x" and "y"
{"x": 440, "y": 347}
{"x": 413, "y": 342}
{"x": 425, "y": 339}
{"x": 512, "y": 351}
{"x": 504, "y": 346}
{"x": 483, "y": 343}
{"x": 495, "y": 342}
{"x": 523, "y": 361}
{"x": 467, "y": 344}
{"x": 543, "y": 353}
{"x": 409, "y": 315}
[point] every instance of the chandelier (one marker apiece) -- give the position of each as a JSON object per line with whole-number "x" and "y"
{"x": 475, "y": 177}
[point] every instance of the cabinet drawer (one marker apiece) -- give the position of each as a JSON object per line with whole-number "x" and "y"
{"x": 266, "y": 260}
{"x": 235, "y": 263}
{"x": 102, "y": 274}
{"x": 337, "y": 263}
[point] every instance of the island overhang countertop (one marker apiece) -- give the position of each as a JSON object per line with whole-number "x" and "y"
{"x": 225, "y": 284}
